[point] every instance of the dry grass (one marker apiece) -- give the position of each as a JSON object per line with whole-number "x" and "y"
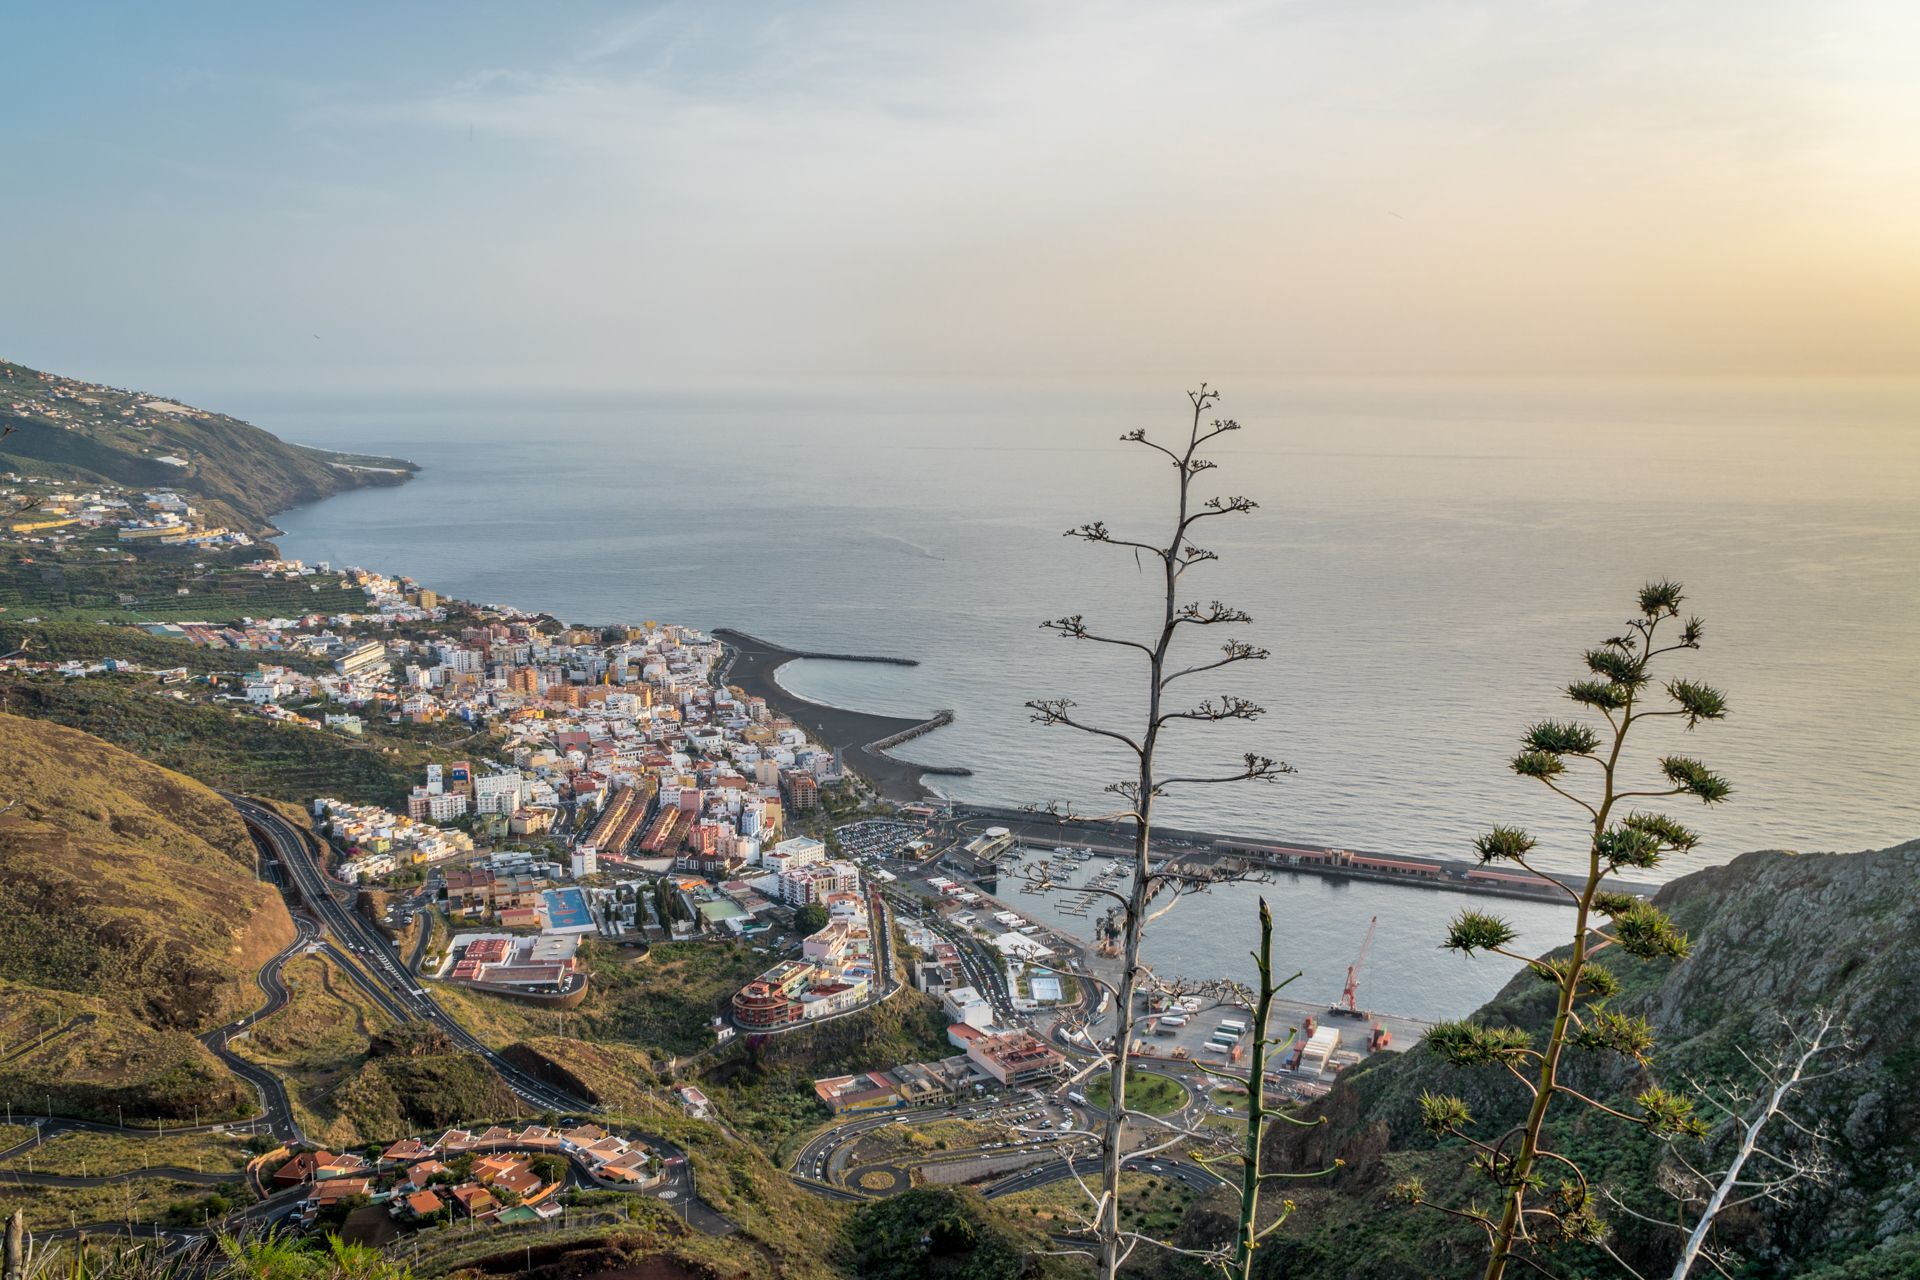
{"x": 107, "y": 1062}
{"x": 136, "y": 1200}
{"x": 496, "y": 1020}
{"x": 919, "y": 1141}
{"x": 93, "y": 1154}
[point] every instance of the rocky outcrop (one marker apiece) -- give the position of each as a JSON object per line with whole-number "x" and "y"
{"x": 1776, "y": 937}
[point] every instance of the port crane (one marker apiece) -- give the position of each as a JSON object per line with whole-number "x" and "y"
{"x": 1349, "y": 1005}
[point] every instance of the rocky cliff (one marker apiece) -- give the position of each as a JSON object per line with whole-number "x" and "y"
{"x": 1776, "y": 937}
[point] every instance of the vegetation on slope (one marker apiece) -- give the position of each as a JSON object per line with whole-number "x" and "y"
{"x": 92, "y": 579}
{"x": 940, "y": 1232}
{"x": 414, "y": 1081}
{"x": 238, "y": 750}
{"x": 91, "y": 642}
{"x": 130, "y": 918}
{"x": 765, "y": 1085}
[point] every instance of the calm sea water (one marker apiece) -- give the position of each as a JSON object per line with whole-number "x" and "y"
{"x": 1426, "y": 565}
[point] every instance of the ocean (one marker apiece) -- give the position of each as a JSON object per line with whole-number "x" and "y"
{"x": 1428, "y": 561}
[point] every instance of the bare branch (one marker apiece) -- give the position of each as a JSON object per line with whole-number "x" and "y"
{"x": 1051, "y": 711}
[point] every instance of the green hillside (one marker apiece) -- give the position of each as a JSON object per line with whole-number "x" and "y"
{"x": 130, "y": 918}
{"x": 87, "y": 432}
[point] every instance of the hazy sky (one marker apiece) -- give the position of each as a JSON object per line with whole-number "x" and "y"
{"x": 571, "y": 194}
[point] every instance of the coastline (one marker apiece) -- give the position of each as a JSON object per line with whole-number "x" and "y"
{"x": 861, "y": 737}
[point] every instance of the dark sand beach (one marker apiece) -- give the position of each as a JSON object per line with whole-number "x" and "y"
{"x": 750, "y": 666}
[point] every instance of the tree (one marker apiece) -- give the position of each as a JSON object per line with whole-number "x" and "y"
{"x": 810, "y": 919}
{"x": 1544, "y": 1197}
{"x": 1141, "y": 741}
{"x": 1757, "y": 1167}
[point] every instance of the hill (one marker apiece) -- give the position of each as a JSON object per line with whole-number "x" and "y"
{"x": 1775, "y": 935}
{"x": 67, "y": 429}
{"x": 131, "y": 918}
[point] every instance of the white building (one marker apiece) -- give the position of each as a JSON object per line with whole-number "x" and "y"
{"x": 964, "y": 1004}
{"x": 802, "y": 885}
{"x": 586, "y": 861}
{"x": 446, "y": 806}
{"x": 800, "y": 851}
{"x": 497, "y": 793}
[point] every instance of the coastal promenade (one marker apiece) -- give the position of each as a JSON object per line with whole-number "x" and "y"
{"x": 861, "y": 736}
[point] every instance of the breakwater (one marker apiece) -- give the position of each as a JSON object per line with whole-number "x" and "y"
{"x": 935, "y": 721}
{"x": 740, "y": 639}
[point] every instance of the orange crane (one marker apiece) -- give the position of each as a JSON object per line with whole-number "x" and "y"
{"x": 1349, "y": 1006}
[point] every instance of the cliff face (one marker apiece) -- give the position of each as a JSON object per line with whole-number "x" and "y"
{"x": 131, "y": 918}
{"x": 1776, "y": 936}
{"x": 68, "y": 429}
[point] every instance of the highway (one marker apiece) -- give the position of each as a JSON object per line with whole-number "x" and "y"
{"x": 356, "y": 938}
{"x": 982, "y": 968}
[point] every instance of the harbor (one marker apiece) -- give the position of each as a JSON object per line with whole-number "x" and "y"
{"x": 1240, "y": 854}
{"x": 1065, "y": 895}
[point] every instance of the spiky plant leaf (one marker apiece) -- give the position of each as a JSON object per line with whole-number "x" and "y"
{"x": 1560, "y": 738}
{"x": 1661, "y": 598}
{"x": 1473, "y": 931}
{"x": 1670, "y": 1114}
{"x": 1646, "y": 932}
{"x": 1629, "y": 1037}
{"x": 1469, "y": 1044}
{"x": 1442, "y": 1113}
{"x": 1601, "y": 695}
{"x": 1614, "y": 904}
{"x": 1695, "y": 779}
{"x": 1669, "y": 833}
{"x": 1699, "y": 701}
{"x": 1503, "y": 844}
{"x": 1618, "y": 667}
{"x": 1538, "y": 764}
{"x": 1624, "y": 846}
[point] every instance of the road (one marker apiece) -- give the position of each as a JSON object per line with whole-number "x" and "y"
{"x": 983, "y": 969}
{"x": 275, "y": 1107}
{"x": 370, "y": 961}
{"x": 365, "y": 944}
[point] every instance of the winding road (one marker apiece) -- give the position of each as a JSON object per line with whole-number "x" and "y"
{"x": 368, "y": 952}
{"x": 367, "y": 959}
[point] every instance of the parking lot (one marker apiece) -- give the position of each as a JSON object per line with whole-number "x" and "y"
{"x": 876, "y": 839}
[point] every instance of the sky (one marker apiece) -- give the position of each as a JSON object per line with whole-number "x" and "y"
{"x": 585, "y": 196}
